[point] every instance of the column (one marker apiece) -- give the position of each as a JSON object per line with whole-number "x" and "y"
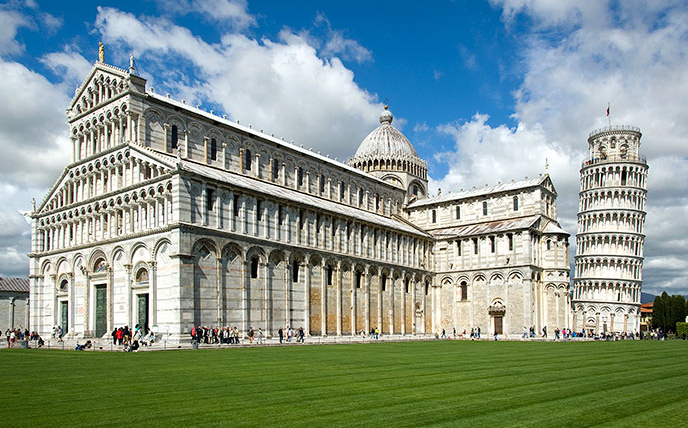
{"x": 307, "y": 296}
{"x": 287, "y": 281}
{"x": 402, "y": 292}
{"x": 323, "y": 297}
{"x": 353, "y": 301}
{"x": 244, "y": 296}
{"x": 267, "y": 306}
{"x": 339, "y": 277}
{"x": 127, "y": 303}
{"x": 152, "y": 294}
{"x": 218, "y": 291}
{"x": 367, "y": 299}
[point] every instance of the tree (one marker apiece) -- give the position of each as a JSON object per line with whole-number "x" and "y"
{"x": 658, "y": 312}
{"x": 678, "y": 310}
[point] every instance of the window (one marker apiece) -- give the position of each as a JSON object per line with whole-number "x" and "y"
{"x": 549, "y": 244}
{"x": 213, "y": 149}
{"x": 623, "y": 177}
{"x": 377, "y": 202}
{"x": 295, "y": 271}
{"x": 464, "y": 290}
{"x": 515, "y": 203}
{"x": 358, "y": 279}
{"x": 510, "y": 238}
{"x": 329, "y": 275}
{"x": 299, "y": 177}
{"x": 458, "y": 212}
{"x": 236, "y": 205}
{"x": 175, "y": 138}
{"x": 493, "y": 245}
{"x": 383, "y": 282}
{"x": 322, "y": 184}
{"x": 485, "y": 208}
{"x": 427, "y": 288}
{"x": 259, "y": 210}
{"x": 301, "y": 222}
{"x": 414, "y": 190}
{"x": 210, "y": 199}
{"x": 458, "y": 248}
{"x": 475, "y": 245}
{"x": 434, "y": 216}
{"x": 360, "y": 197}
{"x": 247, "y": 160}
{"x": 254, "y": 267}
{"x": 406, "y": 286}
{"x": 275, "y": 169}
{"x": 341, "y": 191}
{"x": 279, "y": 215}
{"x": 63, "y": 285}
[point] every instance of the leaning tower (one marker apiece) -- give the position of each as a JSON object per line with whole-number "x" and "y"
{"x": 610, "y": 239}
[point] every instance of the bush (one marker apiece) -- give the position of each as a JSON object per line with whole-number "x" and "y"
{"x": 681, "y": 328}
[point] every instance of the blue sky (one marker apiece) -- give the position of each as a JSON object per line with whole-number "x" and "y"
{"x": 484, "y": 90}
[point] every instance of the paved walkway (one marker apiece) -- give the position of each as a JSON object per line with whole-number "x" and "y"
{"x": 107, "y": 345}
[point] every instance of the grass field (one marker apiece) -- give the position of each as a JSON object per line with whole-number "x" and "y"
{"x": 448, "y": 383}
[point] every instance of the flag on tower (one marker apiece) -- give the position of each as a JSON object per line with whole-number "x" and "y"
{"x": 607, "y": 109}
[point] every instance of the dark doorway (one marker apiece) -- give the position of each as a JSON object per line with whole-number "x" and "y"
{"x": 64, "y": 317}
{"x": 142, "y": 306}
{"x": 498, "y": 325}
{"x": 101, "y": 310}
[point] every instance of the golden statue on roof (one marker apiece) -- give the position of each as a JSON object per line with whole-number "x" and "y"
{"x": 101, "y": 52}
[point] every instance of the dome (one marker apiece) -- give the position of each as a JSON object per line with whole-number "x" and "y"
{"x": 385, "y": 141}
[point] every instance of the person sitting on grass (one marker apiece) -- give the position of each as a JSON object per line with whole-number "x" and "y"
{"x": 83, "y": 347}
{"x": 134, "y": 347}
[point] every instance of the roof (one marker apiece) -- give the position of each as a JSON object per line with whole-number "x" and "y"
{"x": 271, "y": 138}
{"x": 280, "y": 192}
{"x": 554, "y": 228}
{"x": 502, "y": 187}
{"x": 487, "y": 227}
{"x": 385, "y": 140}
{"x": 20, "y": 284}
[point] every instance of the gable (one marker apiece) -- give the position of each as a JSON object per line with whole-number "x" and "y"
{"x": 104, "y": 82}
{"x": 69, "y": 187}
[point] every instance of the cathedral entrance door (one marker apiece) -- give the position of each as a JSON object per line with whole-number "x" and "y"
{"x": 142, "y": 305}
{"x": 64, "y": 316}
{"x": 498, "y": 324}
{"x": 101, "y": 310}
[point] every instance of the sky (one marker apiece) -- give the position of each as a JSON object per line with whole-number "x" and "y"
{"x": 486, "y": 91}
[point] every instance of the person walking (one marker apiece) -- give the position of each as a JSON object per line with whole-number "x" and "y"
{"x": 250, "y": 335}
{"x": 281, "y": 334}
{"x": 260, "y": 336}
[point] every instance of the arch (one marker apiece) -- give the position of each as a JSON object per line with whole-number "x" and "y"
{"x": 134, "y": 248}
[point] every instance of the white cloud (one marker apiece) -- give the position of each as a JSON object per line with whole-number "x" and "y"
{"x": 10, "y": 21}
{"x": 231, "y": 13}
{"x": 577, "y": 57}
{"x": 312, "y": 100}
{"x": 68, "y": 64}
{"x": 336, "y": 44}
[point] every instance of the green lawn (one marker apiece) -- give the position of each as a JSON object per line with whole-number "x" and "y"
{"x": 448, "y": 383}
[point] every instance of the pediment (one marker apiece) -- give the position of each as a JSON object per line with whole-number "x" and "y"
{"x": 61, "y": 194}
{"x": 103, "y": 82}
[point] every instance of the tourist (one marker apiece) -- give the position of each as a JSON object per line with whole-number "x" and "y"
{"x": 478, "y": 332}
{"x": 444, "y": 335}
{"x": 301, "y": 335}
{"x": 544, "y": 332}
{"x": 250, "y": 335}
{"x": 495, "y": 336}
{"x": 281, "y": 335}
{"x": 83, "y": 347}
{"x": 260, "y": 336}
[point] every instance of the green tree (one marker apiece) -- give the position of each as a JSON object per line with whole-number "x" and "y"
{"x": 678, "y": 310}
{"x": 658, "y": 312}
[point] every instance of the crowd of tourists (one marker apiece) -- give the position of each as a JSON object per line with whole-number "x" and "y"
{"x": 14, "y": 335}
{"x": 231, "y": 335}
{"x": 132, "y": 340}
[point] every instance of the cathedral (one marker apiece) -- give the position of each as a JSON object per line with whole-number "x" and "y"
{"x": 169, "y": 216}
